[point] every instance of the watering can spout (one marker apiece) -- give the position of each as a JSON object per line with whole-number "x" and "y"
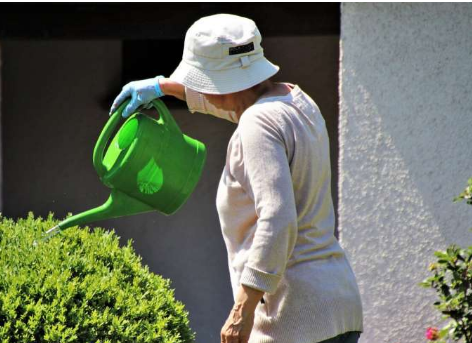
{"x": 149, "y": 164}
{"x": 118, "y": 204}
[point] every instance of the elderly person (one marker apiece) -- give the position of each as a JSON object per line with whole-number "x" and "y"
{"x": 291, "y": 279}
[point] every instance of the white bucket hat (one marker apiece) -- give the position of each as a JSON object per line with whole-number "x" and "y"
{"x": 223, "y": 54}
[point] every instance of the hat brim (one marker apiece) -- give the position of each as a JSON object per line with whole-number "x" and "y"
{"x": 224, "y": 81}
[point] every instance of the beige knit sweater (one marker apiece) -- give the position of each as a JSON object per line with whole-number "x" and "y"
{"x": 277, "y": 219}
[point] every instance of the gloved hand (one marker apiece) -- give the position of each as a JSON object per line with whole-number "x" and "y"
{"x": 142, "y": 93}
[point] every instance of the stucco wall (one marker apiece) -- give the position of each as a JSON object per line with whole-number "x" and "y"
{"x": 405, "y": 119}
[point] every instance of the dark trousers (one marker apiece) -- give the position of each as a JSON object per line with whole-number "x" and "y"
{"x": 347, "y": 337}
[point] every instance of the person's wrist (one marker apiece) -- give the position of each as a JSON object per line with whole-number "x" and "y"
{"x": 247, "y": 299}
{"x": 244, "y": 309}
{"x": 158, "y": 87}
{"x": 173, "y": 88}
{"x": 165, "y": 86}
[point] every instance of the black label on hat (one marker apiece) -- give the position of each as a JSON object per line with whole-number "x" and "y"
{"x": 241, "y": 49}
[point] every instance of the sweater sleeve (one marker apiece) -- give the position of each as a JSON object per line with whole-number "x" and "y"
{"x": 268, "y": 181}
{"x": 196, "y": 102}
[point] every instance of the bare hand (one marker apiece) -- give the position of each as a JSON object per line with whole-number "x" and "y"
{"x": 238, "y": 326}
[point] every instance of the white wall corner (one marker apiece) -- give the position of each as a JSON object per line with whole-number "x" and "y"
{"x": 404, "y": 154}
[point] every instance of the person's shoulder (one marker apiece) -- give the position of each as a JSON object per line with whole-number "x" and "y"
{"x": 266, "y": 119}
{"x": 269, "y": 112}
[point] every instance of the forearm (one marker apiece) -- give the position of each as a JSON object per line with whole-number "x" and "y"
{"x": 173, "y": 88}
{"x": 247, "y": 299}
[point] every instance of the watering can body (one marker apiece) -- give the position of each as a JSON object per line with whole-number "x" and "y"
{"x": 150, "y": 165}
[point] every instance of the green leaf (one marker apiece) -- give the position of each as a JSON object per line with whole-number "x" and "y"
{"x": 424, "y": 284}
{"x": 441, "y": 254}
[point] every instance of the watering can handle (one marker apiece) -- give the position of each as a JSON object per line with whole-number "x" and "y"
{"x": 104, "y": 137}
{"x": 165, "y": 118}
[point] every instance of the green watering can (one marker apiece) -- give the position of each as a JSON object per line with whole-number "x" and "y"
{"x": 150, "y": 165}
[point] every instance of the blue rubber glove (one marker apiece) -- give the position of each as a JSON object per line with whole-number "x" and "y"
{"x": 141, "y": 92}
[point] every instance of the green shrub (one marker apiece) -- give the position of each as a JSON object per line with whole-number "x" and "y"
{"x": 81, "y": 286}
{"x": 452, "y": 280}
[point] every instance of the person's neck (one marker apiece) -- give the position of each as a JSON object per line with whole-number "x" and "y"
{"x": 249, "y": 96}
